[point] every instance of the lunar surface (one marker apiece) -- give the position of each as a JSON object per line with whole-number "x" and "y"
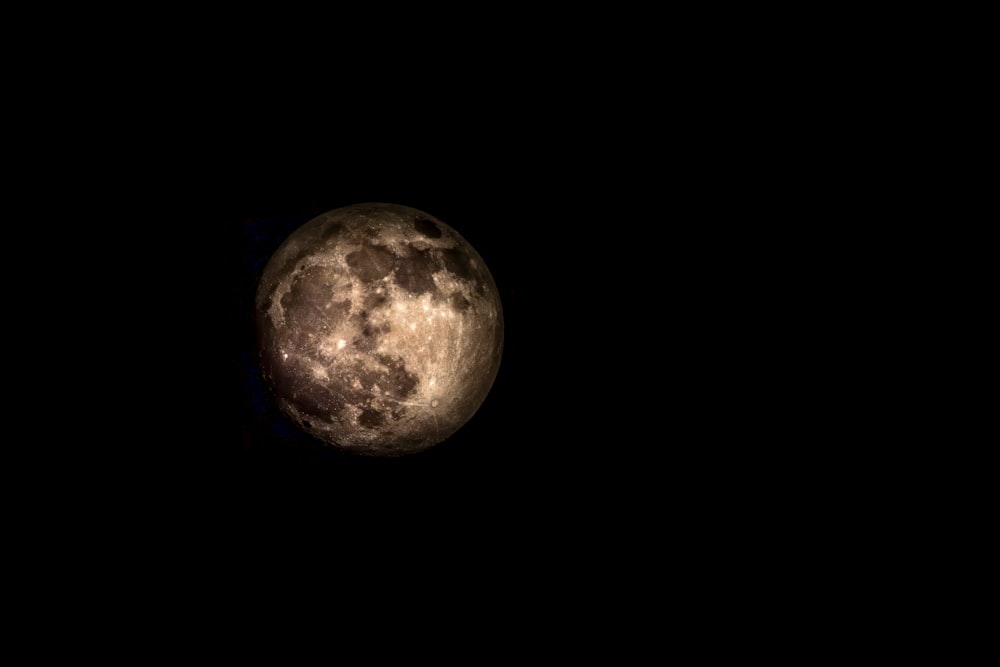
{"x": 380, "y": 329}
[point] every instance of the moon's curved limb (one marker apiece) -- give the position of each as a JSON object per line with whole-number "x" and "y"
{"x": 380, "y": 328}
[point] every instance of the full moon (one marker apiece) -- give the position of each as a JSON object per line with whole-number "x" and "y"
{"x": 380, "y": 329}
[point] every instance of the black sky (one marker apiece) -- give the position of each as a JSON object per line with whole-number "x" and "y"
{"x": 530, "y": 239}
{"x": 608, "y": 229}
{"x": 637, "y": 190}
{"x": 567, "y": 227}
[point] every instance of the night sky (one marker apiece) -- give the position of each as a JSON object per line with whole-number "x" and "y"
{"x": 654, "y": 425}
{"x": 602, "y": 247}
{"x": 542, "y": 420}
{"x": 591, "y": 256}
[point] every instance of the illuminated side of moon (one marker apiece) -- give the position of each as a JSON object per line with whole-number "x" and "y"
{"x": 380, "y": 329}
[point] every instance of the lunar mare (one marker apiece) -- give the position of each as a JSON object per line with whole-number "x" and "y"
{"x": 380, "y": 329}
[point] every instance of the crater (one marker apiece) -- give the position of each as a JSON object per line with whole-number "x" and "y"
{"x": 369, "y": 333}
{"x": 366, "y": 342}
{"x": 414, "y": 273}
{"x": 427, "y": 228}
{"x": 458, "y": 263}
{"x": 371, "y": 418}
{"x": 371, "y": 262}
{"x": 311, "y": 287}
{"x": 309, "y": 306}
{"x": 288, "y": 266}
{"x": 393, "y": 377}
{"x": 459, "y": 302}
{"x": 332, "y": 230}
{"x": 374, "y": 300}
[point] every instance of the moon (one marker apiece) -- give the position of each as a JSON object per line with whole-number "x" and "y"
{"x": 380, "y": 329}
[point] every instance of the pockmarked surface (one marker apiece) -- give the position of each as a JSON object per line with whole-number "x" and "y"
{"x": 380, "y": 329}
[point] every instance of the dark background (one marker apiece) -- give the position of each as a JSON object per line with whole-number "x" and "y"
{"x": 652, "y": 197}
{"x": 590, "y": 232}
{"x": 519, "y": 421}
{"x": 609, "y": 230}
{"x": 649, "y": 209}
{"x": 623, "y": 417}
{"x": 621, "y": 210}
{"x": 562, "y": 407}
